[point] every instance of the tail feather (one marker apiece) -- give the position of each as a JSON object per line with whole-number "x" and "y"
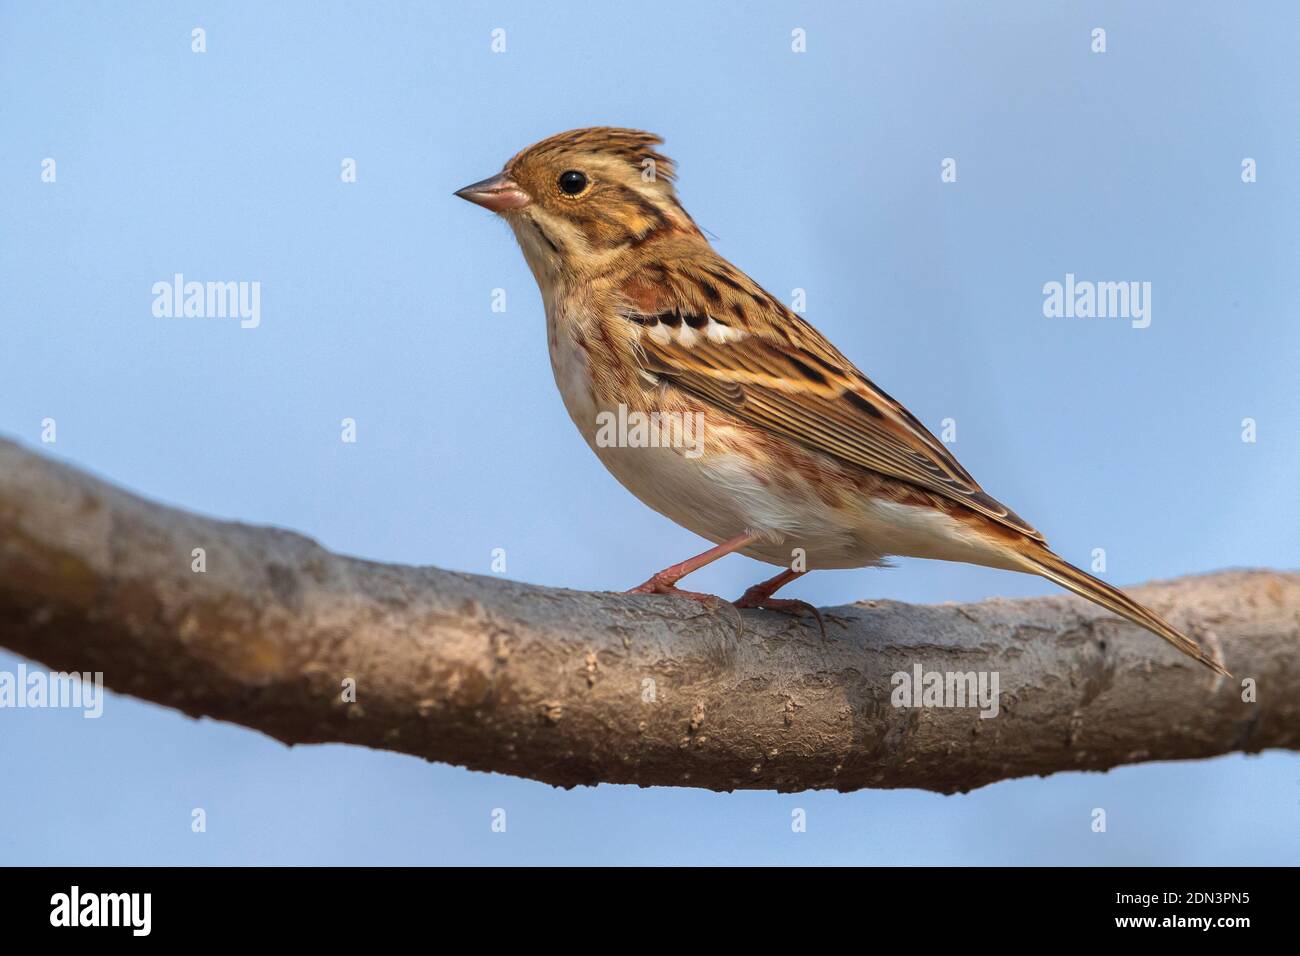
{"x": 1044, "y": 562}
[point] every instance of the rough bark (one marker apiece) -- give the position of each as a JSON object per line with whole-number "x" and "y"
{"x": 582, "y": 688}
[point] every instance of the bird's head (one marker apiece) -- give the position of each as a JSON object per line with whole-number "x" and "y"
{"x": 580, "y": 198}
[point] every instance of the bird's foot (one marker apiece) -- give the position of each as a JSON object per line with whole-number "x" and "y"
{"x": 661, "y": 584}
{"x": 658, "y": 585}
{"x": 759, "y": 597}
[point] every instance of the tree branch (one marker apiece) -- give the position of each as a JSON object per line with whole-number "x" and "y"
{"x": 578, "y": 688}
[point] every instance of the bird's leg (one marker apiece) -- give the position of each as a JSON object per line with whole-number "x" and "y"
{"x": 760, "y": 596}
{"x": 665, "y": 582}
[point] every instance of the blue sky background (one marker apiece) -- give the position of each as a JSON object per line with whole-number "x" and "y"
{"x": 817, "y": 170}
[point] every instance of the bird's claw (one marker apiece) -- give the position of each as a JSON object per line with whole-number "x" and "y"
{"x": 789, "y": 606}
{"x": 658, "y": 585}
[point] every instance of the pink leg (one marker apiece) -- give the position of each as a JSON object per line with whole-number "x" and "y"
{"x": 665, "y": 582}
{"x": 760, "y": 596}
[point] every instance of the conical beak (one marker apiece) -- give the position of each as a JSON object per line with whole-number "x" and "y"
{"x": 497, "y": 193}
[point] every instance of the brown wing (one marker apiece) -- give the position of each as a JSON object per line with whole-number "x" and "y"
{"x": 708, "y": 330}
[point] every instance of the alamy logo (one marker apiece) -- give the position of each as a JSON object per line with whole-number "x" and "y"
{"x": 922, "y": 688}
{"x": 208, "y": 300}
{"x": 631, "y": 429}
{"x": 37, "y": 689}
{"x": 103, "y": 909}
{"x": 1098, "y": 300}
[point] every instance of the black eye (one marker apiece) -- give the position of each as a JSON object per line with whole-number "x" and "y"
{"x": 572, "y": 182}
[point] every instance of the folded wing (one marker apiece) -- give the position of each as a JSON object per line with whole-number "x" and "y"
{"x": 705, "y": 332}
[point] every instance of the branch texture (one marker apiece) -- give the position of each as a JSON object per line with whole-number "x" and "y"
{"x": 583, "y": 688}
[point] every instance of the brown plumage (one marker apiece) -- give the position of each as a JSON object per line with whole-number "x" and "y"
{"x": 799, "y": 452}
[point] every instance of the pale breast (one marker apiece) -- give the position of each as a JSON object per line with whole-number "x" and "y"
{"x": 573, "y": 379}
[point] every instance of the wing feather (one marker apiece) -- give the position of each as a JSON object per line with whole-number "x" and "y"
{"x": 785, "y": 377}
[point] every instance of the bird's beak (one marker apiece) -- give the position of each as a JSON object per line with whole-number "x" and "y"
{"x": 497, "y": 193}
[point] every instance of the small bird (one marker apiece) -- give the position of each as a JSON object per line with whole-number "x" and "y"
{"x": 798, "y": 449}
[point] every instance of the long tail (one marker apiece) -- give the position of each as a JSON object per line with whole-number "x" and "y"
{"x": 1039, "y": 560}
